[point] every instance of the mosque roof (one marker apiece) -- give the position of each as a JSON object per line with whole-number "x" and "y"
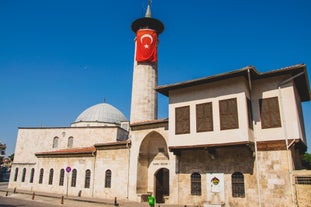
{"x": 298, "y": 73}
{"x": 102, "y": 112}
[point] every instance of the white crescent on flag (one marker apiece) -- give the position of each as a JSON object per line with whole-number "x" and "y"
{"x": 146, "y": 36}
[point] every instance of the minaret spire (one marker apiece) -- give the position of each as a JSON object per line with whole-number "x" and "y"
{"x": 148, "y": 11}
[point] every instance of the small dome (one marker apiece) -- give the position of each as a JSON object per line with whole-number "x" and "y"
{"x": 103, "y": 112}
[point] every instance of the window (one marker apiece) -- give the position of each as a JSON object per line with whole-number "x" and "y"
{"x": 237, "y": 180}
{"x": 24, "y": 175}
{"x": 195, "y": 184}
{"x": 51, "y": 176}
{"x": 16, "y": 174}
{"x": 182, "y": 120}
{"x": 55, "y": 142}
{"x": 204, "y": 114}
{"x": 228, "y": 112}
{"x": 108, "y": 179}
{"x": 303, "y": 180}
{"x": 249, "y": 114}
{"x": 74, "y": 178}
{"x": 61, "y": 177}
{"x": 70, "y": 142}
{"x": 41, "y": 176}
{"x": 87, "y": 179}
{"x": 32, "y": 173}
{"x": 269, "y": 113}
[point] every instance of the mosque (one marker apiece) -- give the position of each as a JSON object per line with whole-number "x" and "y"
{"x": 231, "y": 139}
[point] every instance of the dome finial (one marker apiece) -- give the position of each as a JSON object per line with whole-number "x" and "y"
{"x": 148, "y": 11}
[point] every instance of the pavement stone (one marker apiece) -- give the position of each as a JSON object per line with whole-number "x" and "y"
{"x": 75, "y": 201}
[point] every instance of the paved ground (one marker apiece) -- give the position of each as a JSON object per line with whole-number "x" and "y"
{"x": 51, "y": 200}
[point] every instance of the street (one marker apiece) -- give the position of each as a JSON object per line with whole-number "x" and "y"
{"x": 15, "y": 202}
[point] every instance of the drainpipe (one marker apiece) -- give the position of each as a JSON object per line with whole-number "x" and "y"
{"x": 255, "y": 140}
{"x": 290, "y": 167}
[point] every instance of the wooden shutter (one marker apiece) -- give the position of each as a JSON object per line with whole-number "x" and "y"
{"x": 270, "y": 113}
{"x": 228, "y": 112}
{"x": 204, "y": 117}
{"x": 182, "y": 120}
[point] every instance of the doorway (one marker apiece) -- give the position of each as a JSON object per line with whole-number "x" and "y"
{"x": 162, "y": 187}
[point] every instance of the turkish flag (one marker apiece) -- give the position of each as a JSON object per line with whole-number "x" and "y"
{"x": 146, "y": 45}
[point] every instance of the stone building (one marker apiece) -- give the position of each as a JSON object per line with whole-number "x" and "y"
{"x": 231, "y": 139}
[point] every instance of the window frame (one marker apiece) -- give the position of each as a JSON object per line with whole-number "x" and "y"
{"x": 108, "y": 176}
{"x": 61, "y": 177}
{"x": 87, "y": 180}
{"x": 73, "y": 178}
{"x": 196, "y": 184}
{"x": 270, "y": 116}
{"x": 182, "y": 120}
{"x": 55, "y": 142}
{"x": 51, "y": 176}
{"x": 238, "y": 185}
{"x": 15, "y": 174}
{"x": 32, "y": 174}
{"x": 204, "y": 116}
{"x": 24, "y": 175}
{"x": 228, "y": 114}
{"x": 41, "y": 176}
{"x": 70, "y": 142}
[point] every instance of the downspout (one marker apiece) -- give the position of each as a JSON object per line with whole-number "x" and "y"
{"x": 94, "y": 167}
{"x": 255, "y": 140}
{"x": 128, "y": 170}
{"x": 290, "y": 167}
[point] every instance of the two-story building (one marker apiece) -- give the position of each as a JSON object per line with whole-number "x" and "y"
{"x": 231, "y": 139}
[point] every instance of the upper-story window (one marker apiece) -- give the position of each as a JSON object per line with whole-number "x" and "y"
{"x": 228, "y": 112}
{"x": 55, "y": 142}
{"x": 204, "y": 117}
{"x": 70, "y": 142}
{"x": 270, "y": 113}
{"x": 182, "y": 120}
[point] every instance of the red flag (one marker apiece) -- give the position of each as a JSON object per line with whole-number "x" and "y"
{"x": 146, "y": 45}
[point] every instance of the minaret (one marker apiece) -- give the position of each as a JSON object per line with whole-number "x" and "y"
{"x": 144, "y": 105}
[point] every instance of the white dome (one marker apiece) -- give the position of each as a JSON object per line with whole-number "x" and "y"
{"x": 103, "y": 112}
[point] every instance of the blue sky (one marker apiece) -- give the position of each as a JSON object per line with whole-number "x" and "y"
{"x": 58, "y": 57}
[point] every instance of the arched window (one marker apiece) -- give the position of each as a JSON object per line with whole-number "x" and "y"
{"x": 55, "y": 142}
{"x": 32, "y": 173}
{"x": 61, "y": 177}
{"x": 74, "y": 178}
{"x": 70, "y": 142}
{"x": 51, "y": 176}
{"x": 41, "y": 176}
{"x": 195, "y": 184}
{"x": 237, "y": 180}
{"x": 24, "y": 175}
{"x": 16, "y": 174}
{"x": 108, "y": 179}
{"x": 87, "y": 181}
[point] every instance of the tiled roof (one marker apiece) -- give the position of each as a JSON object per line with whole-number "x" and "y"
{"x": 84, "y": 150}
{"x": 301, "y": 81}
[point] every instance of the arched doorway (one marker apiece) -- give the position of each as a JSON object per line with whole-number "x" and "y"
{"x": 162, "y": 186}
{"x": 152, "y": 157}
